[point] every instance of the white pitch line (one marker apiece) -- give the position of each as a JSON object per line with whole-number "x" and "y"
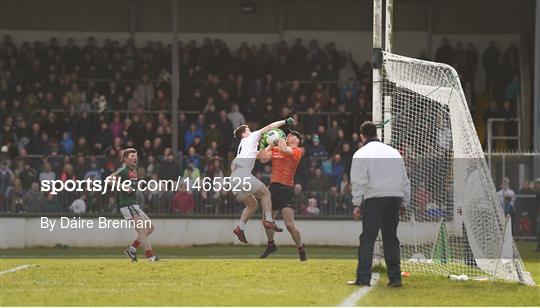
{"x": 18, "y": 268}
{"x": 358, "y": 294}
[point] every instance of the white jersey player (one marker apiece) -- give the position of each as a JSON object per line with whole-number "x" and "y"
{"x": 251, "y": 187}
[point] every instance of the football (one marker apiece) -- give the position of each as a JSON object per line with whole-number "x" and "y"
{"x": 271, "y": 137}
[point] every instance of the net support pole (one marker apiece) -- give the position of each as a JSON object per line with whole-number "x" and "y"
{"x": 388, "y": 19}
{"x": 377, "y": 64}
{"x": 175, "y": 81}
{"x": 387, "y": 96}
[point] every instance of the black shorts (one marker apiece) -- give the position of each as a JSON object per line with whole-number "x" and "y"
{"x": 282, "y": 196}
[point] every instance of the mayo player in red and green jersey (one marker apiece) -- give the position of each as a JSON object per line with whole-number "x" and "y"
{"x": 130, "y": 209}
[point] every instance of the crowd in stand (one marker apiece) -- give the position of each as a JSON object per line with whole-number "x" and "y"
{"x": 68, "y": 111}
{"x": 502, "y": 81}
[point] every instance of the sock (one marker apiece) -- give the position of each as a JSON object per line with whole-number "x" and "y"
{"x": 241, "y": 224}
{"x": 149, "y": 253}
{"x": 268, "y": 216}
{"x": 301, "y": 248}
{"x": 271, "y": 243}
{"x": 134, "y": 246}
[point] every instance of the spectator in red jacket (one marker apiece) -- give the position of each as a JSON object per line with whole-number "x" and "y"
{"x": 183, "y": 201}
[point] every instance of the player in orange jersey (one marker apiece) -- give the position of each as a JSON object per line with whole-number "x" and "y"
{"x": 285, "y": 158}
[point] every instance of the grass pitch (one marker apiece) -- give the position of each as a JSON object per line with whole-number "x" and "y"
{"x": 232, "y": 276}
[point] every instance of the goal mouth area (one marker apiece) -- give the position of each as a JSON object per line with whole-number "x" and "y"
{"x": 454, "y": 220}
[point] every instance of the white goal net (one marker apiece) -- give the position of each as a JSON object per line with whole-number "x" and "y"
{"x": 455, "y": 223}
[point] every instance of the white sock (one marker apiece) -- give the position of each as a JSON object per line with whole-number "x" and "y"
{"x": 268, "y": 216}
{"x": 241, "y": 224}
{"x": 132, "y": 249}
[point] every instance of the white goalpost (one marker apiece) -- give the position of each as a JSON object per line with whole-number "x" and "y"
{"x": 457, "y": 221}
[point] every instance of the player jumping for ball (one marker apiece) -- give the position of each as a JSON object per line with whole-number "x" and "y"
{"x": 241, "y": 169}
{"x": 285, "y": 159}
{"x": 130, "y": 209}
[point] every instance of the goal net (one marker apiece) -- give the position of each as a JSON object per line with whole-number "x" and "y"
{"x": 455, "y": 223}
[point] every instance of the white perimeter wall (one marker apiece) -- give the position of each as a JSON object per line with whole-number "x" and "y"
{"x": 19, "y": 232}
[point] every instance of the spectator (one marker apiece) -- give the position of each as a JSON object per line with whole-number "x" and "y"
{"x": 15, "y": 196}
{"x": 212, "y": 135}
{"x": 512, "y": 89}
{"x": 94, "y": 172}
{"x": 191, "y": 134}
{"x": 79, "y": 205}
{"x": 74, "y": 97}
{"x": 192, "y": 173}
{"x": 183, "y": 201}
{"x": 103, "y": 139}
{"x": 51, "y": 204}
{"x": 317, "y": 150}
{"x": 5, "y": 177}
{"x": 28, "y": 176}
{"x": 192, "y": 157}
{"x": 508, "y": 204}
{"x": 33, "y": 199}
{"x": 236, "y": 117}
{"x": 312, "y": 208}
{"x": 445, "y": 53}
{"x": 111, "y": 206}
{"x": 161, "y": 101}
{"x": 159, "y": 201}
{"x": 491, "y": 64}
{"x": 347, "y": 73}
{"x": 337, "y": 170}
{"x": 506, "y": 191}
{"x": 525, "y": 189}
{"x": 318, "y": 182}
{"x": 47, "y": 174}
{"x": 311, "y": 121}
{"x": 145, "y": 90}
{"x": 170, "y": 169}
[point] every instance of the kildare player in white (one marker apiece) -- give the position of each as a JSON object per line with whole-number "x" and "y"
{"x": 251, "y": 187}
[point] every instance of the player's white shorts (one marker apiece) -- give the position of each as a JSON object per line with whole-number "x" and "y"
{"x": 244, "y": 176}
{"x": 129, "y": 211}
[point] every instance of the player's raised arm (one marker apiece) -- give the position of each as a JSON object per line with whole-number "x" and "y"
{"x": 265, "y": 155}
{"x": 276, "y": 124}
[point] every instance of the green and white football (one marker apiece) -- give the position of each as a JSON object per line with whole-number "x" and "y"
{"x": 271, "y": 137}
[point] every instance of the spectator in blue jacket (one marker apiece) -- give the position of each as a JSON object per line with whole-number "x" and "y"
{"x": 191, "y": 134}
{"x": 67, "y": 143}
{"x": 317, "y": 149}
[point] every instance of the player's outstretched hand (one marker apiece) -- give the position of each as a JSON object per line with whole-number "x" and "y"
{"x": 357, "y": 213}
{"x": 290, "y": 121}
